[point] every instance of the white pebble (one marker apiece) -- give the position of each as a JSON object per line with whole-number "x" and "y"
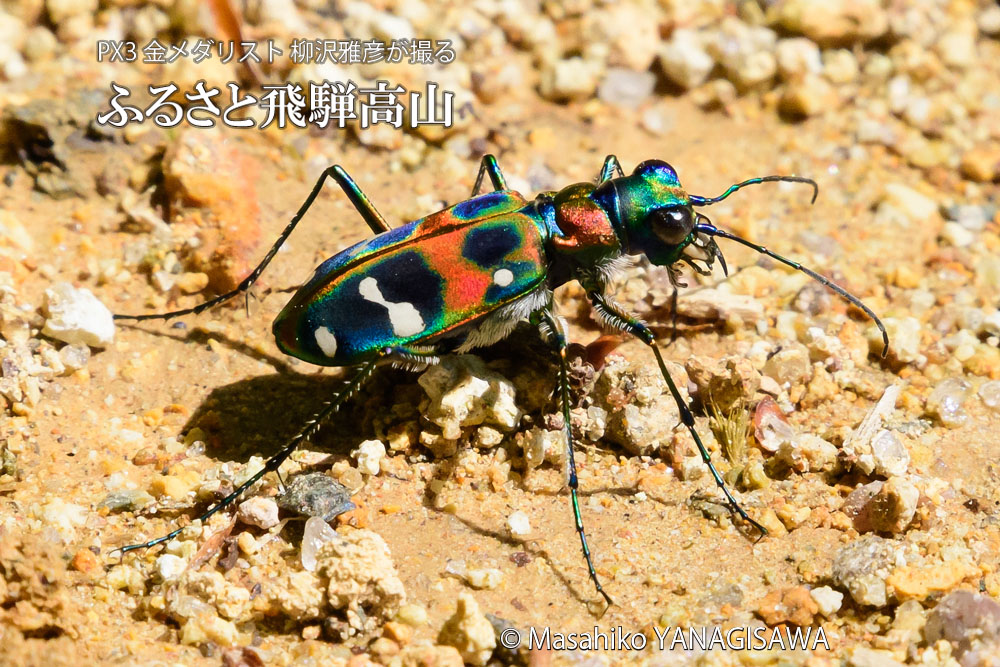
{"x": 316, "y": 533}
{"x": 484, "y": 578}
{"x": 169, "y": 566}
{"x": 827, "y": 599}
{"x": 369, "y": 455}
{"x": 519, "y": 524}
{"x": 258, "y": 511}
{"x": 76, "y": 316}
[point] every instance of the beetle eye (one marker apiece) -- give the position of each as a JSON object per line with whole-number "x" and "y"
{"x": 671, "y": 224}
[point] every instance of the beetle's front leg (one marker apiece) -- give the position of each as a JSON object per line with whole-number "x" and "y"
{"x": 618, "y": 318}
{"x": 552, "y": 331}
{"x": 489, "y": 166}
{"x": 611, "y": 166}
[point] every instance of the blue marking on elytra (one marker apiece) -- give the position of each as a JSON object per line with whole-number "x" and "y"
{"x": 480, "y": 206}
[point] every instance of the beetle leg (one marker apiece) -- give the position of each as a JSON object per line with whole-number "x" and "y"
{"x": 622, "y": 320}
{"x": 611, "y": 165}
{"x": 411, "y": 358}
{"x": 360, "y": 200}
{"x": 354, "y": 193}
{"x": 489, "y": 166}
{"x": 552, "y": 330}
{"x": 272, "y": 464}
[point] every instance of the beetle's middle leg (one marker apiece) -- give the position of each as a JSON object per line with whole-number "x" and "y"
{"x": 619, "y": 319}
{"x": 552, "y": 330}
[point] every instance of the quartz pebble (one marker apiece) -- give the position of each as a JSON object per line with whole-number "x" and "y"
{"x": 684, "y": 59}
{"x": 75, "y": 316}
{"x": 316, "y": 533}
{"x": 771, "y": 428}
{"x": 989, "y": 392}
{"x": 946, "y": 402}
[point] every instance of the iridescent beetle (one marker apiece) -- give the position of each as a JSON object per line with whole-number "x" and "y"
{"x": 464, "y": 277}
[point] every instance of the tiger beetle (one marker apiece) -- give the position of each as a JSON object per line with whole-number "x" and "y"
{"x": 464, "y": 277}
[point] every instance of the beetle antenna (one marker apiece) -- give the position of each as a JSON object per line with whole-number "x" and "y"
{"x": 705, "y": 201}
{"x": 712, "y": 230}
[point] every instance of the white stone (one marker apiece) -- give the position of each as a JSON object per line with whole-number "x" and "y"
{"x": 827, "y": 599}
{"x": 76, "y": 316}
{"x": 169, "y": 566}
{"x": 685, "y": 60}
{"x": 519, "y": 524}
{"x": 369, "y": 455}
{"x": 258, "y": 511}
{"x": 316, "y": 533}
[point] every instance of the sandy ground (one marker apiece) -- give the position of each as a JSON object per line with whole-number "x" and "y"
{"x": 666, "y": 555}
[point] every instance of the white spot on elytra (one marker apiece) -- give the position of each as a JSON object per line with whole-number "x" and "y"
{"x": 503, "y": 277}
{"x": 404, "y": 317}
{"x": 326, "y": 341}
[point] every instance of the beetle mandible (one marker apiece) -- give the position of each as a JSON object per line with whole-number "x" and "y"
{"x": 465, "y": 276}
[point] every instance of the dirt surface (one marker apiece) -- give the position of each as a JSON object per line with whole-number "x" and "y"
{"x": 150, "y": 219}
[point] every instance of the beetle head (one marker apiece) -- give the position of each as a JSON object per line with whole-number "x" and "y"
{"x": 656, "y": 218}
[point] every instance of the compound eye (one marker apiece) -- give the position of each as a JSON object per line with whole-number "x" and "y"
{"x": 671, "y": 224}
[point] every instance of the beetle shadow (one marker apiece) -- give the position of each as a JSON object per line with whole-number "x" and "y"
{"x": 444, "y": 470}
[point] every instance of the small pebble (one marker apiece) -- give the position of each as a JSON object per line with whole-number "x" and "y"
{"x": 989, "y": 392}
{"x": 316, "y": 494}
{"x": 889, "y": 454}
{"x": 369, "y": 455}
{"x": 827, "y": 600}
{"x": 519, "y": 524}
{"x": 469, "y": 631}
{"x": 126, "y": 501}
{"x": 684, "y": 59}
{"x": 970, "y": 622}
{"x": 169, "y": 566}
{"x": 413, "y": 615}
{"x": 484, "y": 578}
{"x": 317, "y": 532}
{"x": 894, "y": 506}
{"x": 862, "y": 566}
{"x": 626, "y": 88}
{"x": 771, "y": 428}
{"x": 75, "y": 316}
{"x": 258, "y": 511}
{"x": 946, "y": 402}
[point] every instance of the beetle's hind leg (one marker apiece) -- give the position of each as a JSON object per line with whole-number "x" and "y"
{"x": 615, "y": 317}
{"x": 353, "y": 192}
{"x": 489, "y": 165}
{"x": 552, "y": 330}
{"x": 272, "y": 464}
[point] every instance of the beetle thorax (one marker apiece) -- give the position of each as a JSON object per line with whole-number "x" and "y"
{"x": 585, "y": 231}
